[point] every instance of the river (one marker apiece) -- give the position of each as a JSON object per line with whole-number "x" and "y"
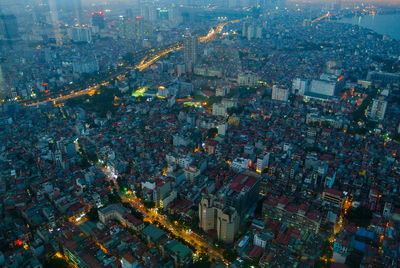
{"x": 383, "y": 24}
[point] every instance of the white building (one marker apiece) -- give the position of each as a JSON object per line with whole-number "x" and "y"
{"x": 222, "y": 91}
{"x": 229, "y": 103}
{"x": 184, "y": 161}
{"x": 323, "y": 87}
{"x": 377, "y": 110}
{"x": 85, "y": 66}
{"x": 247, "y": 79}
{"x": 222, "y": 129}
{"x": 240, "y": 164}
{"x": 280, "y": 94}
{"x": 387, "y": 210}
{"x": 262, "y": 162}
{"x": 81, "y": 34}
{"x": 299, "y": 86}
{"x": 260, "y": 240}
{"x": 219, "y": 109}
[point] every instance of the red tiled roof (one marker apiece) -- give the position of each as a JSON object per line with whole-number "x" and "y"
{"x": 132, "y": 219}
{"x": 256, "y": 252}
{"x": 333, "y": 191}
{"x": 243, "y": 180}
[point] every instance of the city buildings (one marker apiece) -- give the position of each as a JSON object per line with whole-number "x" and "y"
{"x": 190, "y": 51}
{"x": 112, "y": 153}
{"x": 98, "y": 20}
{"x": 377, "y": 109}
{"x": 299, "y": 86}
{"x": 9, "y": 26}
{"x": 247, "y": 79}
{"x": 214, "y": 216}
{"x": 81, "y": 34}
{"x": 87, "y": 65}
{"x": 280, "y": 94}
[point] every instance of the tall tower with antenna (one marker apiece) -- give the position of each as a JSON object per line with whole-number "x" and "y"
{"x": 54, "y": 21}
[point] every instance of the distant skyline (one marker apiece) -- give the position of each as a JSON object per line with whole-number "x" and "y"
{"x": 397, "y": 2}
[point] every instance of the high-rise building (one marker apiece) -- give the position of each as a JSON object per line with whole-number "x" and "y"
{"x": 71, "y": 7}
{"x": 377, "y": 110}
{"x": 135, "y": 28}
{"x": 129, "y": 13}
{"x": 190, "y": 51}
{"x": 174, "y": 15}
{"x": 262, "y": 162}
{"x": 12, "y": 7}
{"x": 272, "y": 4}
{"x": 149, "y": 13}
{"x": 227, "y": 224}
{"x": 86, "y": 65}
{"x": 81, "y": 34}
{"x": 299, "y": 86}
{"x": 280, "y": 94}
{"x": 251, "y": 30}
{"x": 247, "y": 79}
{"x": 214, "y": 216}
{"x": 98, "y": 20}
{"x": 243, "y": 192}
{"x": 207, "y": 213}
{"x": 337, "y": 5}
{"x": 9, "y": 26}
{"x": 3, "y": 90}
{"x": 54, "y": 22}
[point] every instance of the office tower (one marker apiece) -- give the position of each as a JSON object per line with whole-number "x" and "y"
{"x": 38, "y": 15}
{"x": 129, "y": 13}
{"x": 9, "y": 26}
{"x": 135, "y": 28}
{"x": 337, "y": 5}
{"x": 76, "y": 7}
{"x": 71, "y": 7}
{"x": 227, "y": 224}
{"x": 174, "y": 15}
{"x": 12, "y": 7}
{"x": 3, "y": 91}
{"x": 149, "y": 13}
{"x": 190, "y": 50}
{"x": 233, "y": 3}
{"x": 80, "y": 34}
{"x": 98, "y": 20}
{"x": 272, "y": 4}
{"x": 54, "y": 22}
{"x": 207, "y": 213}
{"x": 214, "y": 216}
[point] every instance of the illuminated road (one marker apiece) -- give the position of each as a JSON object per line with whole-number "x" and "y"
{"x": 339, "y": 224}
{"x": 146, "y": 62}
{"x": 322, "y": 17}
{"x": 211, "y": 34}
{"x": 150, "y": 59}
{"x": 199, "y": 243}
{"x": 73, "y": 94}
